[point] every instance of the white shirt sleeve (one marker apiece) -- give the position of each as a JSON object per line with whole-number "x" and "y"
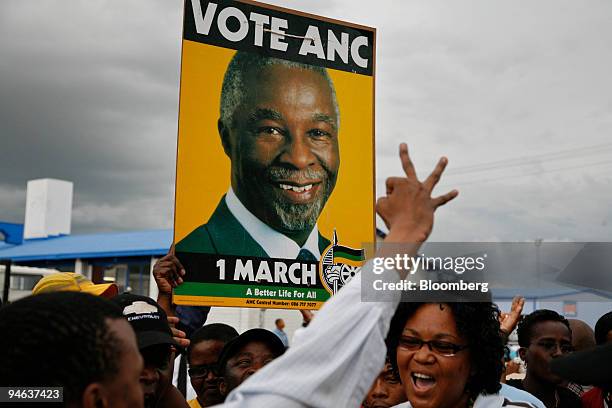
{"x": 332, "y": 363}
{"x": 514, "y": 394}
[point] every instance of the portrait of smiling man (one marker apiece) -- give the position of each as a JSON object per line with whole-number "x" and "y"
{"x": 278, "y": 125}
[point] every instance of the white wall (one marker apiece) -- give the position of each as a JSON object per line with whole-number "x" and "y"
{"x": 48, "y": 208}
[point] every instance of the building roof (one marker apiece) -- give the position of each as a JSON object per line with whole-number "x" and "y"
{"x": 4, "y": 245}
{"x": 13, "y": 233}
{"x": 103, "y": 245}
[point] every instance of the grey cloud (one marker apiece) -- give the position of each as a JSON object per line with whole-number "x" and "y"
{"x": 91, "y": 95}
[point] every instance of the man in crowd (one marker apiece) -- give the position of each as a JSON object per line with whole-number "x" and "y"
{"x": 583, "y": 337}
{"x": 157, "y": 346}
{"x": 72, "y": 340}
{"x": 245, "y": 355}
{"x": 278, "y": 125}
{"x": 203, "y": 355}
{"x": 278, "y": 330}
{"x": 543, "y": 336}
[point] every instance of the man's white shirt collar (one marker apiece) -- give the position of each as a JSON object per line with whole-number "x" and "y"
{"x": 275, "y": 244}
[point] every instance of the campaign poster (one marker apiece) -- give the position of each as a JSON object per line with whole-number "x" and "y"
{"x": 275, "y": 158}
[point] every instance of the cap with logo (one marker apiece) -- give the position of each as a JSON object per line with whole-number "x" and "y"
{"x": 148, "y": 320}
{"x": 233, "y": 346}
{"x": 73, "y": 282}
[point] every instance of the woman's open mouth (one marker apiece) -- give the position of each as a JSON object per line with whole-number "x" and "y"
{"x": 422, "y": 382}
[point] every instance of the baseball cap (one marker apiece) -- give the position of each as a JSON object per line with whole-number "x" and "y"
{"x": 148, "y": 320}
{"x": 592, "y": 366}
{"x": 73, "y": 282}
{"x": 233, "y": 346}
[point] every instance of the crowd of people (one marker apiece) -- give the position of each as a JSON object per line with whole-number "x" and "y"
{"x": 118, "y": 350}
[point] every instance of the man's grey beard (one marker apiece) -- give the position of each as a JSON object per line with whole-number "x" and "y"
{"x": 300, "y": 217}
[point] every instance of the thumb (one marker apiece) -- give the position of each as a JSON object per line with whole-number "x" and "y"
{"x": 381, "y": 206}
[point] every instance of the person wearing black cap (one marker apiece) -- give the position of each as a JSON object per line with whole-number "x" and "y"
{"x": 245, "y": 355}
{"x": 157, "y": 347}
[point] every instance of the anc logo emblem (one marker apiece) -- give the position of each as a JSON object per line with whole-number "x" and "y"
{"x": 339, "y": 264}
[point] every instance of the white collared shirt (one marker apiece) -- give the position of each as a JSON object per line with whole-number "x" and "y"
{"x": 275, "y": 244}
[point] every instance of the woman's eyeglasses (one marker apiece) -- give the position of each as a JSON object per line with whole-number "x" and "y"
{"x": 443, "y": 348}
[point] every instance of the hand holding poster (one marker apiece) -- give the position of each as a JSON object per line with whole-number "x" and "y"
{"x": 275, "y": 162}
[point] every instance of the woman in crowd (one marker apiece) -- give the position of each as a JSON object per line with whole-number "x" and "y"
{"x": 449, "y": 354}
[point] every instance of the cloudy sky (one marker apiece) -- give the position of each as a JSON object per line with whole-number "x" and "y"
{"x": 516, "y": 94}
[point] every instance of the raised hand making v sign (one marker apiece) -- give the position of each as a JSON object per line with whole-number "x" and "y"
{"x": 408, "y": 208}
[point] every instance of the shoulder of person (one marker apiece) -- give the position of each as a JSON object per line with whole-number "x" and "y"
{"x": 499, "y": 401}
{"x": 172, "y": 398}
{"x": 198, "y": 240}
{"x": 592, "y": 396}
{"x": 568, "y": 398}
{"x": 514, "y": 393}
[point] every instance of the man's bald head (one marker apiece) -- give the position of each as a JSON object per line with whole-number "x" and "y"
{"x": 583, "y": 336}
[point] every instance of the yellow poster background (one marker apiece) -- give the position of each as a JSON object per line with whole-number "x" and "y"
{"x": 203, "y": 169}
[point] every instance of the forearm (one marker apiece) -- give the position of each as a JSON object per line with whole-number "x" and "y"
{"x": 400, "y": 241}
{"x": 164, "y": 301}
